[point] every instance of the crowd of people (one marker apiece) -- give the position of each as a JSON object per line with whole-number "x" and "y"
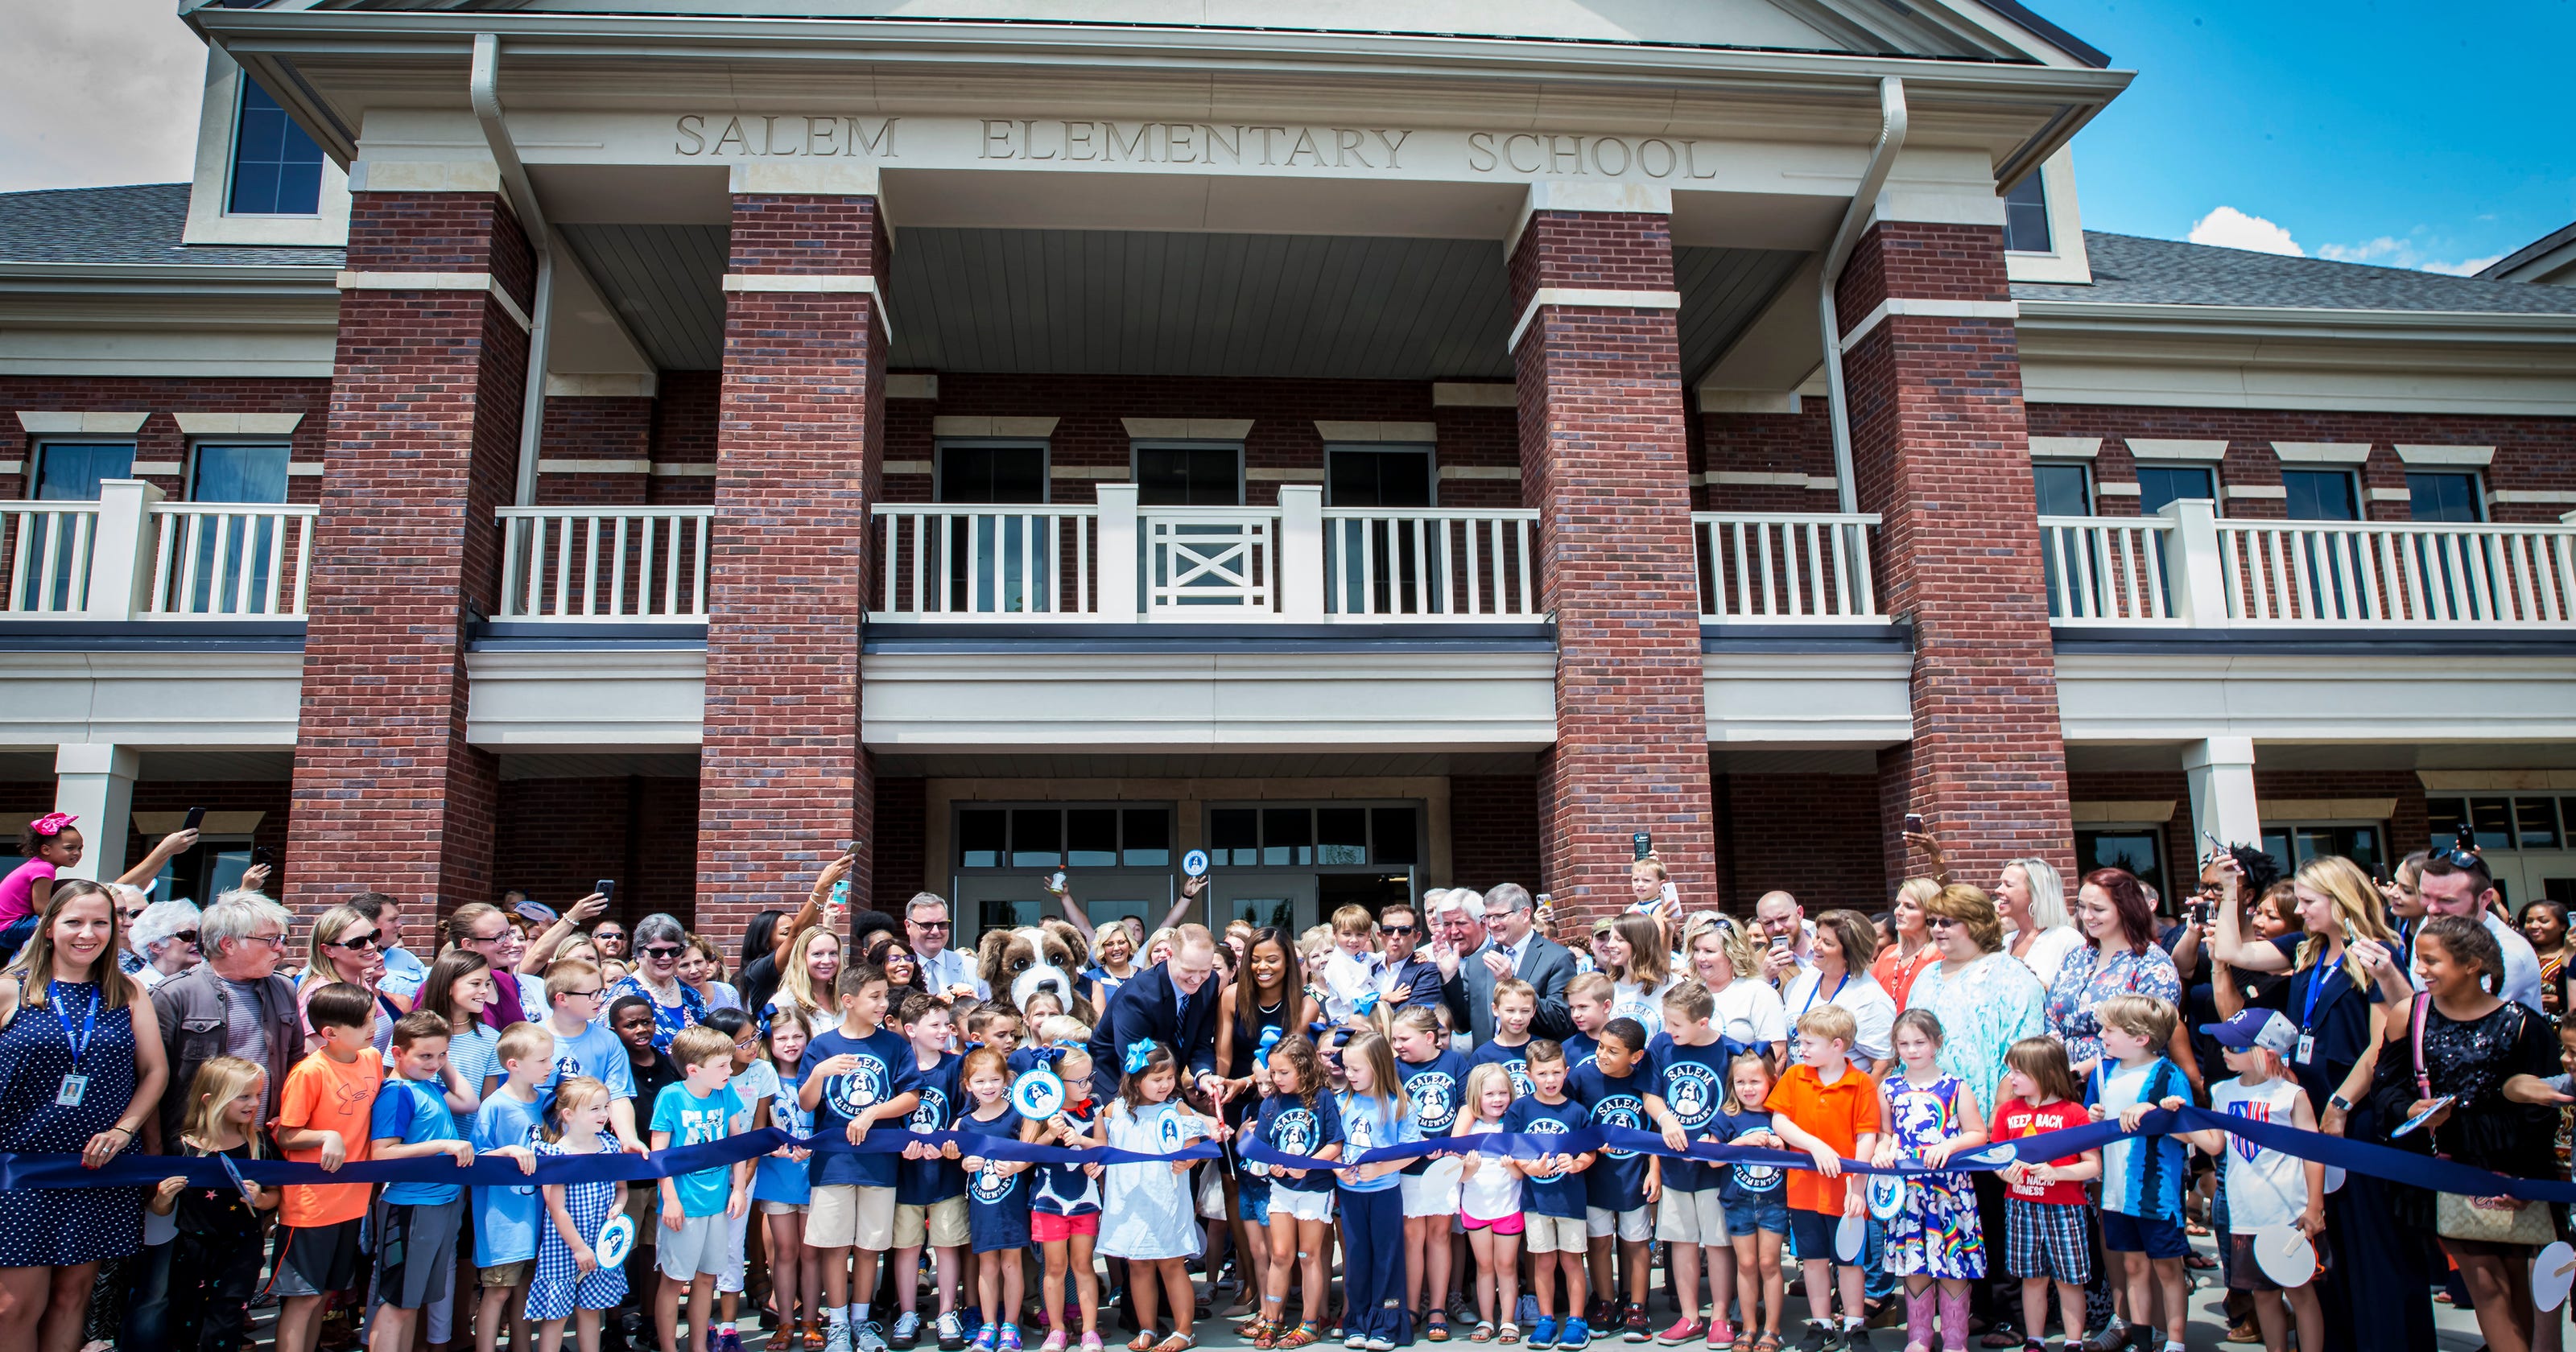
{"x": 2407, "y": 1012}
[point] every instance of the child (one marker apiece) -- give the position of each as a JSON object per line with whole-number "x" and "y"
{"x": 570, "y": 1281}
{"x": 1931, "y": 1115}
{"x": 997, "y": 1212}
{"x": 1756, "y": 1202}
{"x": 2266, "y": 1189}
{"x": 322, "y": 1118}
{"x": 1042, "y": 1005}
{"x": 859, "y": 1074}
{"x": 780, "y": 1187}
{"x": 416, "y": 1223}
{"x": 1002, "y": 1025}
{"x": 701, "y": 1108}
{"x": 1587, "y": 1001}
{"x": 1433, "y": 1075}
{"x": 2044, "y": 1204}
{"x": 1064, "y": 1199}
{"x": 929, "y": 1189}
{"x": 1489, "y": 1205}
{"x": 2142, "y": 1180}
{"x": 1145, "y": 1212}
{"x": 753, "y": 1083}
{"x": 1619, "y": 1194}
{"x": 1515, "y": 1005}
{"x": 1352, "y": 969}
{"x": 1828, "y": 1108}
{"x": 1375, "y": 1112}
{"x": 1689, "y": 1083}
{"x": 1297, "y": 1119}
{"x": 506, "y": 1215}
{"x": 1553, "y": 1203}
{"x": 214, "y": 1270}
{"x": 584, "y": 1045}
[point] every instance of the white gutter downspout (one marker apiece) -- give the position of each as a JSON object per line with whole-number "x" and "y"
{"x": 483, "y": 87}
{"x": 1882, "y": 158}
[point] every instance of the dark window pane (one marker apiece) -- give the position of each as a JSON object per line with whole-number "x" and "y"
{"x": 1234, "y": 836}
{"x": 1287, "y": 835}
{"x": 1392, "y": 836}
{"x": 2135, "y": 851}
{"x": 2026, "y": 216}
{"x": 232, "y": 473}
{"x": 1091, "y": 837}
{"x": 1341, "y": 835}
{"x": 2064, "y": 490}
{"x": 1149, "y": 837}
{"x": 2160, "y": 484}
{"x": 2321, "y": 495}
{"x": 2443, "y": 816}
{"x": 1037, "y": 837}
{"x": 992, "y": 474}
{"x": 277, "y": 169}
{"x": 2535, "y": 823}
{"x": 982, "y": 835}
{"x": 72, "y": 471}
{"x": 2494, "y": 819}
{"x": 1358, "y": 478}
{"x": 2444, "y": 497}
{"x": 1187, "y": 476}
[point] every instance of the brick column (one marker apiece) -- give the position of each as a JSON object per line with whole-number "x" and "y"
{"x": 1941, "y": 451}
{"x": 782, "y": 779}
{"x": 424, "y": 446}
{"x": 1604, "y": 460}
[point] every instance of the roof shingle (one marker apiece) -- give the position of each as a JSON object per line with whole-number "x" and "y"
{"x": 137, "y": 224}
{"x": 2130, "y": 270}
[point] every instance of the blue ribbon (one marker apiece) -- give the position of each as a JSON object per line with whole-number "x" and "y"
{"x": 1269, "y": 1039}
{"x": 1140, "y": 1054}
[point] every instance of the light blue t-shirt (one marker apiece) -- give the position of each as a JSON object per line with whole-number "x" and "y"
{"x": 506, "y": 1216}
{"x": 597, "y": 1053}
{"x": 413, "y": 1112}
{"x": 1365, "y": 1126}
{"x": 776, "y": 1178}
{"x": 692, "y": 1120}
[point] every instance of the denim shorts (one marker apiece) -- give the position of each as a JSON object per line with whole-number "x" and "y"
{"x": 1765, "y": 1213}
{"x": 1253, "y": 1204}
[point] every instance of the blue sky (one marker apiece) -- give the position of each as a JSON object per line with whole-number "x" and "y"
{"x": 2401, "y": 132}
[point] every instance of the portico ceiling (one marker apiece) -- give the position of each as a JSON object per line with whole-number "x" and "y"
{"x": 1111, "y": 302}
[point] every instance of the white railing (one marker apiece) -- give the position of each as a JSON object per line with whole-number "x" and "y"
{"x": 1431, "y": 564}
{"x": 1210, "y": 563}
{"x": 2106, "y": 570}
{"x": 605, "y": 564}
{"x": 2352, "y": 573}
{"x": 952, "y": 562}
{"x": 222, "y": 560}
{"x": 1785, "y": 568}
{"x": 47, "y": 546}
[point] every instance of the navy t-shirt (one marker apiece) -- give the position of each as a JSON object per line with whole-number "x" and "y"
{"x": 885, "y": 1071}
{"x": 1288, "y": 1126}
{"x": 1562, "y": 1195}
{"x": 1580, "y": 1049}
{"x": 1434, "y": 1086}
{"x": 1692, "y": 1082}
{"x": 997, "y": 1204}
{"x": 922, "y": 1182}
{"x": 1742, "y": 1184}
{"x": 1617, "y": 1180}
{"x": 1512, "y": 1059}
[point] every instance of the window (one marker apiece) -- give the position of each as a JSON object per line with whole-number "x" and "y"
{"x": 238, "y": 472}
{"x": 1334, "y": 835}
{"x": 1377, "y": 476}
{"x": 277, "y": 169}
{"x": 2444, "y": 497}
{"x": 2161, "y": 484}
{"x": 976, "y": 472}
{"x": 2322, "y": 494}
{"x": 1053, "y": 837}
{"x": 2140, "y": 850}
{"x": 223, "y": 471}
{"x": 2026, "y": 217}
{"x": 1189, "y": 476}
{"x": 71, "y": 471}
{"x": 2293, "y": 844}
{"x": 2521, "y": 822}
{"x": 2064, "y": 489}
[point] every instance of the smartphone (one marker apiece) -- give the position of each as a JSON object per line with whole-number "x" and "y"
{"x": 2465, "y": 839}
{"x": 196, "y": 816}
{"x": 1055, "y": 881}
{"x": 606, "y": 887}
{"x": 1672, "y": 896}
{"x": 1913, "y": 823}
{"x": 263, "y": 856}
{"x": 1644, "y": 843}
{"x": 1779, "y": 943}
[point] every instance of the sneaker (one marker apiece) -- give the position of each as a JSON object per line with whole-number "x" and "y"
{"x": 1525, "y": 1310}
{"x": 1543, "y": 1333}
{"x": 1632, "y": 1325}
{"x": 1355, "y": 1342}
{"x": 1576, "y": 1337}
{"x": 1010, "y": 1338}
{"x": 1381, "y": 1345}
{"x": 1819, "y": 1336}
{"x": 724, "y": 1340}
{"x": 986, "y": 1337}
{"x": 838, "y": 1339}
{"x": 1682, "y": 1331}
{"x": 1462, "y": 1311}
{"x": 868, "y": 1336}
{"x": 952, "y": 1333}
{"x": 1091, "y": 1342}
{"x": 1719, "y": 1335}
{"x": 904, "y": 1336}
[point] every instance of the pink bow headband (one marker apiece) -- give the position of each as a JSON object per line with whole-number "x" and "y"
{"x": 51, "y": 824}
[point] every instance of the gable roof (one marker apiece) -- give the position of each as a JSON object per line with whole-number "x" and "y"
{"x": 139, "y": 224}
{"x": 2132, "y": 270}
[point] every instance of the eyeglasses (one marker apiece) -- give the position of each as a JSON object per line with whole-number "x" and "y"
{"x": 664, "y": 951}
{"x": 504, "y": 936}
{"x": 1938, "y": 922}
{"x": 751, "y": 1043}
{"x": 592, "y": 994}
{"x": 351, "y": 941}
{"x": 1399, "y": 931}
{"x": 276, "y": 941}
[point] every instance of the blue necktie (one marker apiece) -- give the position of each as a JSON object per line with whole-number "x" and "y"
{"x": 1182, "y": 1019}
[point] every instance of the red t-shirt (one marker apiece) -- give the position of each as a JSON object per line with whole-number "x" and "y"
{"x": 2016, "y": 1118}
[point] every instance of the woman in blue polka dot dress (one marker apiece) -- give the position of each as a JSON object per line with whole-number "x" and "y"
{"x": 570, "y": 1279}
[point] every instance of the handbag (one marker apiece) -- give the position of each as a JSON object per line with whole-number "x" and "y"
{"x": 2482, "y": 1220}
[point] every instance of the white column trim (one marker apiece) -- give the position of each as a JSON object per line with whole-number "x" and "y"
{"x": 2159, "y": 448}
{"x": 817, "y": 284}
{"x": 439, "y": 281}
{"x": 1606, "y": 299}
{"x": 1929, "y": 308}
{"x": 1187, "y": 429}
{"x": 1393, "y": 433}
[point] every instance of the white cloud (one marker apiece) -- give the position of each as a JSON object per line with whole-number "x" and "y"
{"x": 99, "y": 92}
{"x": 2466, "y": 267}
{"x": 2412, "y": 252}
{"x": 2369, "y": 252}
{"x": 2229, "y": 228}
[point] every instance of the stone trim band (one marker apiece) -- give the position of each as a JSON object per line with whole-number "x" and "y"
{"x": 1569, "y": 295}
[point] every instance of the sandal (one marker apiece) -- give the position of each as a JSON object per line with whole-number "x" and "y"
{"x": 1508, "y": 1334}
{"x": 1435, "y": 1327}
{"x": 1142, "y": 1342}
{"x": 2199, "y": 1262}
{"x": 1483, "y": 1332}
{"x": 1178, "y": 1342}
{"x": 1768, "y": 1342}
{"x": 2195, "y": 1229}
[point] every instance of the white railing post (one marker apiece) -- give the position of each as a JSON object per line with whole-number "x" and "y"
{"x": 120, "y": 570}
{"x": 1117, "y": 562}
{"x": 2193, "y": 565}
{"x": 1301, "y": 553}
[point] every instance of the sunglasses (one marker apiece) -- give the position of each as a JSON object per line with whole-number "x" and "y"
{"x": 185, "y": 936}
{"x": 2459, "y": 858}
{"x": 1938, "y": 922}
{"x": 1398, "y": 931}
{"x": 352, "y": 941}
{"x": 664, "y": 951}
{"x": 929, "y": 924}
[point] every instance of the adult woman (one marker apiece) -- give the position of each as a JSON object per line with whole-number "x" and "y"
{"x": 757, "y": 976}
{"x": 2233, "y": 990}
{"x": 1844, "y": 945}
{"x": 702, "y": 970}
{"x": 166, "y": 936}
{"x": 1904, "y": 959}
{"x": 659, "y": 944}
{"x": 1721, "y": 958}
{"x": 2122, "y": 959}
{"x": 1270, "y": 994}
{"x": 2463, "y": 1049}
{"x": 1631, "y": 953}
{"x": 81, "y": 1068}
{"x": 805, "y": 981}
{"x": 1113, "y": 953}
{"x": 344, "y": 948}
{"x": 2375, "y": 1289}
{"x": 2544, "y": 923}
{"x": 1987, "y": 1001}
{"x": 902, "y": 969}
{"x": 458, "y": 988}
{"x": 2030, "y": 900}
{"x": 1158, "y": 949}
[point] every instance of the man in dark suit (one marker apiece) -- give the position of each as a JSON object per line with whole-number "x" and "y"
{"x": 1508, "y": 945}
{"x": 1173, "y": 1003}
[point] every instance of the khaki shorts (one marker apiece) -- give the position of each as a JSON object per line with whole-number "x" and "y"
{"x": 509, "y": 1276}
{"x": 944, "y": 1222}
{"x": 1554, "y": 1234}
{"x": 1635, "y": 1225}
{"x": 1692, "y": 1217}
{"x": 847, "y": 1216}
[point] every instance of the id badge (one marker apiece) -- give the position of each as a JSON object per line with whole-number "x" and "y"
{"x": 74, "y": 1088}
{"x": 2307, "y": 1048}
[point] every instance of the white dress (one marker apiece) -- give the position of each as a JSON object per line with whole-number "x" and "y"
{"x": 1145, "y": 1209}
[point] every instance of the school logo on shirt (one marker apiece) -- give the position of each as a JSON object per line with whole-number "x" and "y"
{"x": 1756, "y": 1177}
{"x": 1620, "y": 1110}
{"x": 1168, "y": 1132}
{"x": 1435, "y": 1101}
{"x": 1546, "y": 1126}
{"x": 788, "y": 1113}
{"x": 1518, "y": 1069}
{"x": 1296, "y": 1132}
{"x": 991, "y": 1185}
{"x": 1691, "y": 1090}
{"x": 864, "y": 1085}
{"x": 932, "y": 1114}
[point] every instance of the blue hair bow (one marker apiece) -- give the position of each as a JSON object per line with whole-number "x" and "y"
{"x": 1044, "y": 1055}
{"x": 1269, "y": 1039}
{"x": 1140, "y": 1053}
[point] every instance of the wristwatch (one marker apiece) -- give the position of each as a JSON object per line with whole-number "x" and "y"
{"x": 2339, "y": 1102}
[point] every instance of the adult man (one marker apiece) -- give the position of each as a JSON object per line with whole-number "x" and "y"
{"x": 1415, "y": 979}
{"x": 403, "y": 972}
{"x": 1781, "y": 917}
{"x": 165, "y": 937}
{"x": 485, "y": 930}
{"x": 1510, "y": 947}
{"x": 1173, "y": 1004}
{"x": 610, "y": 939}
{"x": 2456, "y": 882}
{"x": 232, "y": 1004}
{"x": 945, "y": 972}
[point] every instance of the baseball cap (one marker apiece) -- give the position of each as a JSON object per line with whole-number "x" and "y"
{"x": 2265, "y": 1028}
{"x": 537, "y": 911}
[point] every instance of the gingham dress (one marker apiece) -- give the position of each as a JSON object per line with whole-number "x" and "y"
{"x": 559, "y": 1288}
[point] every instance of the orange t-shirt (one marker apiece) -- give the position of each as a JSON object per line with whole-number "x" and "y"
{"x": 1836, "y": 1114}
{"x": 323, "y": 1095}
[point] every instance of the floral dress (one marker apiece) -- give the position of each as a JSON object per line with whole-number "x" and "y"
{"x": 2087, "y": 979}
{"x": 1936, "y": 1235}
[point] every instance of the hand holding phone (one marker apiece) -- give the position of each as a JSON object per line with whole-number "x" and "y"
{"x": 196, "y": 818}
{"x": 1644, "y": 843}
{"x": 606, "y": 887}
{"x": 1913, "y": 823}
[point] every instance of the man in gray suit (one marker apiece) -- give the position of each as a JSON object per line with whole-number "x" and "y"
{"x": 1473, "y": 955}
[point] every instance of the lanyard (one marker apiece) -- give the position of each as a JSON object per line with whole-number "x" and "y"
{"x": 2317, "y": 976}
{"x": 89, "y": 1020}
{"x": 1820, "y": 985}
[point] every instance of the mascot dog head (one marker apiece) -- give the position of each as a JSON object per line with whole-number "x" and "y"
{"x": 1018, "y": 962}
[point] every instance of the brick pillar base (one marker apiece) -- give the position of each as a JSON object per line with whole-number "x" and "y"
{"x": 423, "y": 449}
{"x": 1941, "y": 451}
{"x": 1603, "y": 458}
{"x": 782, "y": 779}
